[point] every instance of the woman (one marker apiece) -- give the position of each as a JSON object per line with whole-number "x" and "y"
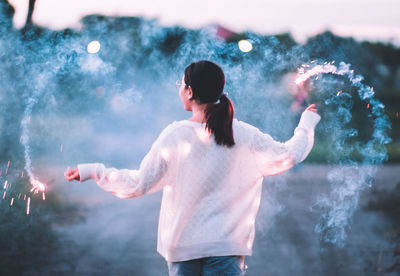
{"x": 211, "y": 169}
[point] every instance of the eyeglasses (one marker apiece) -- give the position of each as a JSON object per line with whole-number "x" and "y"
{"x": 179, "y": 83}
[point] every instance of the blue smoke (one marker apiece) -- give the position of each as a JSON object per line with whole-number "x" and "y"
{"x": 97, "y": 104}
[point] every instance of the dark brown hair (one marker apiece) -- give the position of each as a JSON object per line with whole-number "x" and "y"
{"x": 207, "y": 81}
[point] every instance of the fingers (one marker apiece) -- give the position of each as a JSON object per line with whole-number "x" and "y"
{"x": 312, "y": 108}
{"x": 72, "y": 175}
{"x": 76, "y": 175}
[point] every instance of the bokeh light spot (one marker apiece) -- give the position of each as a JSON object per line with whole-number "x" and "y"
{"x": 93, "y": 47}
{"x": 245, "y": 46}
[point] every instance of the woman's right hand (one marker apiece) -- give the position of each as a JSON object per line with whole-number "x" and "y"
{"x": 312, "y": 108}
{"x": 72, "y": 175}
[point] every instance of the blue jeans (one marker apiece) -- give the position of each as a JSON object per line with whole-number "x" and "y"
{"x": 210, "y": 266}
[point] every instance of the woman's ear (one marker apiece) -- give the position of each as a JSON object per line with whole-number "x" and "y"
{"x": 190, "y": 93}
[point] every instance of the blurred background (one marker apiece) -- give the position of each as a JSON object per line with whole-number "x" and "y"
{"x": 94, "y": 81}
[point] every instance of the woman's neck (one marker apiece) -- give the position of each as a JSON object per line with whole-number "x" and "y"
{"x": 199, "y": 113}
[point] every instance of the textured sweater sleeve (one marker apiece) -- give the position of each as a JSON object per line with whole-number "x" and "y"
{"x": 273, "y": 157}
{"x": 126, "y": 183}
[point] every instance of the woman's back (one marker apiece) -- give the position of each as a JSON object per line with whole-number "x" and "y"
{"x": 212, "y": 193}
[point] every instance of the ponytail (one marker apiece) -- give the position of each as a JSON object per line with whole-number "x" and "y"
{"x": 219, "y": 118}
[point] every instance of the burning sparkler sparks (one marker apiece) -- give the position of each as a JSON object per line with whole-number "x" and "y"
{"x": 37, "y": 186}
{"x": 8, "y": 165}
{"x": 28, "y": 205}
{"x": 318, "y": 69}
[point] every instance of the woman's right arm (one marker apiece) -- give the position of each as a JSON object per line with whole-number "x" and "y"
{"x": 273, "y": 157}
{"x": 126, "y": 183}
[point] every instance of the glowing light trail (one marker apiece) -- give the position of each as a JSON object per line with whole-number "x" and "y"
{"x": 28, "y": 205}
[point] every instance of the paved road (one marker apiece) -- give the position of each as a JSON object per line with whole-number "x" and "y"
{"x": 118, "y": 237}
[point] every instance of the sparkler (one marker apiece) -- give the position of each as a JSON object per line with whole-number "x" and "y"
{"x": 37, "y": 185}
{"x": 318, "y": 69}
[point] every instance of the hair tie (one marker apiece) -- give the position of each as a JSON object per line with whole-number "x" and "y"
{"x": 223, "y": 94}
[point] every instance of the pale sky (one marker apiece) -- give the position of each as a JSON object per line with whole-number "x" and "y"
{"x": 363, "y": 19}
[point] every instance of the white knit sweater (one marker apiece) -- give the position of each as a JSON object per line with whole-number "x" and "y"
{"x": 211, "y": 193}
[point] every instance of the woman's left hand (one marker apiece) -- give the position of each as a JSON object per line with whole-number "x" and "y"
{"x": 312, "y": 108}
{"x": 72, "y": 175}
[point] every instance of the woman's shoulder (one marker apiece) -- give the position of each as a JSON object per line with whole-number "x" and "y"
{"x": 243, "y": 126}
{"x": 177, "y": 127}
